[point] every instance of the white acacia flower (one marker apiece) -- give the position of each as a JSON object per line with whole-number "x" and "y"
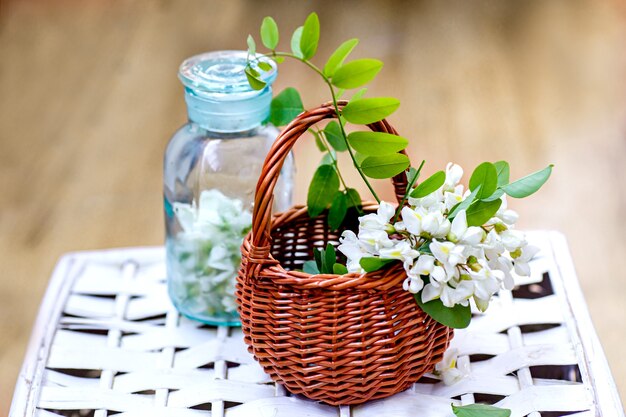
{"x": 448, "y": 368}
{"x": 486, "y": 284}
{"x": 441, "y": 290}
{"x": 448, "y": 295}
{"x": 435, "y": 224}
{"x": 379, "y": 220}
{"x": 373, "y": 240}
{"x": 508, "y": 216}
{"x": 449, "y": 254}
{"x": 207, "y": 251}
{"x": 512, "y": 239}
{"x": 413, "y": 284}
{"x": 439, "y": 274}
{"x": 400, "y": 250}
{"x": 521, "y": 262}
{"x": 464, "y": 262}
{"x": 431, "y": 202}
{"x": 424, "y": 265}
{"x": 504, "y": 264}
{"x": 453, "y": 197}
{"x": 492, "y": 245}
{"x": 411, "y": 220}
{"x": 459, "y": 232}
{"x": 350, "y": 245}
{"x": 454, "y": 173}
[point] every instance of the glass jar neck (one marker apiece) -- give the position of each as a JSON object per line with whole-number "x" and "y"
{"x": 228, "y": 113}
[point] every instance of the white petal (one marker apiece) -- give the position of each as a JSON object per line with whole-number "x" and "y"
{"x": 447, "y": 296}
{"x": 459, "y": 226}
{"x": 463, "y": 291}
{"x": 415, "y": 285}
{"x": 454, "y": 173}
{"x": 481, "y": 304}
{"x": 430, "y": 292}
{"x": 473, "y": 235}
{"x": 522, "y": 269}
{"x": 412, "y": 221}
{"x": 424, "y": 265}
{"x": 439, "y": 274}
{"x": 509, "y": 217}
{"x": 386, "y": 211}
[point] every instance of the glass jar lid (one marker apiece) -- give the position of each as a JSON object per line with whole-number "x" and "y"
{"x": 221, "y": 72}
{"x": 218, "y": 95}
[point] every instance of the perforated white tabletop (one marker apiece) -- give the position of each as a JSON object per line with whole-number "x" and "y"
{"x": 107, "y": 341}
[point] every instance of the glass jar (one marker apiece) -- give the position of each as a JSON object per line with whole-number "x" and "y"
{"x": 211, "y": 168}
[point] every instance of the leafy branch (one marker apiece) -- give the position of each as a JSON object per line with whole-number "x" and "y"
{"x": 374, "y": 154}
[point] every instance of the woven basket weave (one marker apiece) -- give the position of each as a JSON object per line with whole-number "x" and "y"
{"x": 340, "y": 339}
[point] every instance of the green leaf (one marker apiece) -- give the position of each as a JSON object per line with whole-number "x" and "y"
{"x": 338, "y": 210}
{"x": 340, "y": 269}
{"x": 463, "y": 205}
{"x": 486, "y": 176}
{"x": 318, "y": 141}
{"x": 337, "y": 57}
{"x": 328, "y": 259}
{"x": 310, "y": 267}
{"x": 332, "y": 131}
{"x": 295, "y": 42}
{"x": 324, "y": 185}
{"x": 429, "y": 185}
{"x": 480, "y": 410}
{"x": 359, "y": 94}
{"x": 356, "y": 73}
{"x": 269, "y": 33}
{"x": 457, "y": 317}
{"x": 265, "y": 66}
{"x": 425, "y": 248}
{"x": 385, "y": 166}
{"x": 371, "y": 264}
{"x": 254, "y": 82}
{"x": 480, "y": 212}
{"x": 502, "y": 167}
{"x": 353, "y": 198}
{"x": 376, "y": 143}
{"x": 318, "y": 255}
{"x": 278, "y": 59}
{"x": 359, "y": 158}
{"x": 251, "y": 45}
{"x": 285, "y": 107}
{"x": 412, "y": 175}
{"x": 503, "y": 170}
{"x": 529, "y": 184}
{"x": 327, "y": 159}
{"x": 369, "y": 110}
{"x": 310, "y": 36}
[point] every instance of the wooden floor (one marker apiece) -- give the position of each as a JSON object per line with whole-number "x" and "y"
{"x": 89, "y": 97}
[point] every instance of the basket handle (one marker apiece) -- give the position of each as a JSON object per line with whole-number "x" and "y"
{"x": 264, "y": 196}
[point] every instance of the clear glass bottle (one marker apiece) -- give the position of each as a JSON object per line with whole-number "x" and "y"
{"x": 211, "y": 168}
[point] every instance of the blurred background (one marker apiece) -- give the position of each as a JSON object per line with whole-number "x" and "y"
{"x": 89, "y": 98}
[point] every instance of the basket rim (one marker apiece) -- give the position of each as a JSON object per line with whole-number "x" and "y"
{"x": 380, "y": 280}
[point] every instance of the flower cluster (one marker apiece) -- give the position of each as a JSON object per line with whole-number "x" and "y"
{"x": 443, "y": 257}
{"x": 207, "y": 252}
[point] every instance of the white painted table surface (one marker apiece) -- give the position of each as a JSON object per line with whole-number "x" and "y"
{"x": 107, "y": 341}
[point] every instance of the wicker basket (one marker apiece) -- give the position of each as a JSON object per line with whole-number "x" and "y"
{"x": 340, "y": 339}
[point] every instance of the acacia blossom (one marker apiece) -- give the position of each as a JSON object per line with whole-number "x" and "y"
{"x": 444, "y": 257}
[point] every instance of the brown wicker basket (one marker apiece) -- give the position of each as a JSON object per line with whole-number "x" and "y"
{"x": 340, "y": 339}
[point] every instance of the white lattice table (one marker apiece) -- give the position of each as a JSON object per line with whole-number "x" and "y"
{"x": 107, "y": 341}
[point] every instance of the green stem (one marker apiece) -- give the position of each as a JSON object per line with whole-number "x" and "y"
{"x": 408, "y": 190}
{"x": 336, "y": 165}
{"x": 336, "y": 106}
